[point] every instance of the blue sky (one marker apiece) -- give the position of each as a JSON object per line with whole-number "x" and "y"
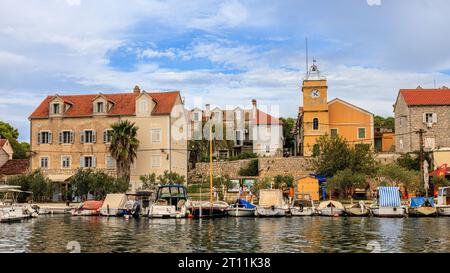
{"x": 219, "y": 52}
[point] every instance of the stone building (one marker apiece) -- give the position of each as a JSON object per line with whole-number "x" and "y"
{"x": 427, "y": 109}
{"x": 71, "y": 132}
{"x": 10, "y": 167}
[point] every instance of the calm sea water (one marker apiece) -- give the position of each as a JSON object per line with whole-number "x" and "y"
{"x": 294, "y": 234}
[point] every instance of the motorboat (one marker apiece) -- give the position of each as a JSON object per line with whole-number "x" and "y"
{"x": 388, "y": 203}
{"x": 271, "y": 204}
{"x": 207, "y": 209}
{"x": 12, "y": 214}
{"x": 360, "y": 209}
{"x": 303, "y": 206}
{"x": 114, "y": 205}
{"x": 88, "y": 208}
{"x": 422, "y": 207}
{"x": 241, "y": 208}
{"x": 170, "y": 202}
{"x": 331, "y": 208}
{"x": 10, "y": 211}
{"x": 443, "y": 201}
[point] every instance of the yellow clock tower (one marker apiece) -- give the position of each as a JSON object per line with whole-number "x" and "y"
{"x": 315, "y": 118}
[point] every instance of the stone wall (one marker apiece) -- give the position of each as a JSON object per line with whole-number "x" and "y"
{"x": 271, "y": 166}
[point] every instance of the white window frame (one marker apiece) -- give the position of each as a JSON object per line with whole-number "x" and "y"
{"x": 83, "y": 161}
{"x": 53, "y": 108}
{"x": 196, "y": 116}
{"x": 158, "y": 157}
{"x": 106, "y": 139}
{"x": 97, "y": 106}
{"x": 143, "y": 106}
{"x": 430, "y": 143}
{"x": 62, "y": 161}
{"x": 154, "y": 141}
{"x": 48, "y": 162}
{"x": 365, "y": 133}
{"x": 49, "y": 137}
{"x": 268, "y": 149}
{"x": 93, "y": 136}
{"x": 71, "y": 137}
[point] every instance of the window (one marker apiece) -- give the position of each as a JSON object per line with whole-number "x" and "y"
{"x": 315, "y": 124}
{"x": 110, "y": 162}
{"x": 267, "y": 148}
{"x": 238, "y": 138}
{"x": 65, "y": 161}
{"x": 361, "y": 133}
{"x": 429, "y": 143}
{"x": 88, "y": 136}
{"x": 237, "y": 115}
{"x": 44, "y": 163}
{"x": 196, "y": 116}
{"x": 87, "y": 162}
{"x": 66, "y": 137}
{"x": 401, "y": 144}
{"x": 107, "y": 136}
{"x": 55, "y": 108}
{"x": 44, "y": 138}
{"x": 430, "y": 118}
{"x": 334, "y": 132}
{"x": 156, "y": 161}
{"x": 156, "y": 135}
{"x": 100, "y": 108}
{"x": 143, "y": 106}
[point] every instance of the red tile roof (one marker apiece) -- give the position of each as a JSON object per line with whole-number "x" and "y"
{"x": 264, "y": 119}
{"x": 124, "y": 104}
{"x": 15, "y": 166}
{"x": 2, "y": 142}
{"x": 426, "y": 96}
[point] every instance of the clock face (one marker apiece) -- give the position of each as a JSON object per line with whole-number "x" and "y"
{"x": 315, "y": 93}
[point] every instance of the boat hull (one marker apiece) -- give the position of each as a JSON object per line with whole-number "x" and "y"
{"x": 85, "y": 212}
{"x": 208, "y": 212}
{"x": 12, "y": 215}
{"x": 423, "y": 212}
{"x": 270, "y": 212}
{"x": 241, "y": 212}
{"x": 161, "y": 211}
{"x": 389, "y": 212}
{"x": 112, "y": 212}
{"x": 357, "y": 212}
{"x": 331, "y": 212}
{"x": 443, "y": 211}
{"x": 302, "y": 211}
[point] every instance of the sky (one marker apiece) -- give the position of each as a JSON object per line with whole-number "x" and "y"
{"x": 220, "y": 52}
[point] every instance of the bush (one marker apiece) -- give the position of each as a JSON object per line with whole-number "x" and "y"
{"x": 395, "y": 175}
{"x": 260, "y": 185}
{"x": 35, "y": 182}
{"x": 252, "y": 169}
{"x": 148, "y": 181}
{"x": 345, "y": 182}
{"x": 440, "y": 181}
{"x": 170, "y": 178}
{"x": 281, "y": 180}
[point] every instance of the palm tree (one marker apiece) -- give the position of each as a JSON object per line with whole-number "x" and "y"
{"x": 123, "y": 148}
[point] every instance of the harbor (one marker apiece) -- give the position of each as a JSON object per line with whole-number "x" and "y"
{"x": 232, "y": 235}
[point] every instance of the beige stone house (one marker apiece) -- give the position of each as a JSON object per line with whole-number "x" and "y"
{"x": 6, "y": 151}
{"x": 426, "y": 109}
{"x": 71, "y": 132}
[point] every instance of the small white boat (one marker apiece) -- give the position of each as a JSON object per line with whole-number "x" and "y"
{"x": 271, "y": 204}
{"x": 241, "y": 209}
{"x": 388, "y": 203}
{"x": 12, "y": 214}
{"x": 206, "y": 209}
{"x": 10, "y": 210}
{"x": 443, "y": 201}
{"x": 359, "y": 210}
{"x": 88, "y": 208}
{"x": 422, "y": 207}
{"x": 303, "y": 206}
{"x": 331, "y": 208}
{"x": 170, "y": 202}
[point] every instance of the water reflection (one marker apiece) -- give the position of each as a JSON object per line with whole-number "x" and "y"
{"x": 295, "y": 234}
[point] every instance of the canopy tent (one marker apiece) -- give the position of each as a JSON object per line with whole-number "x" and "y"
{"x": 389, "y": 196}
{"x": 246, "y": 204}
{"x": 114, "y": 201}
{"x": 419, "y": 201}
{"x": 269, "y": 198}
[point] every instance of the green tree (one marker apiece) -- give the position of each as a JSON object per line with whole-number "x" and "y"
{"x": 252, "y": 169}
{"x": 171, "y": 178}
{"x": 288, "y": 132}
{"x": 346, "y": 181}
{"x": 395, "y": 175}
{"x": 384, "y": 123}
{"x": 280, "y": 180}
{"x": 124, "y": 146}
{"x": 148, "y": 181}
{"x": 261, "y": 184}
{"x": 21, "y": 149}
{"x": 35, "y": 182}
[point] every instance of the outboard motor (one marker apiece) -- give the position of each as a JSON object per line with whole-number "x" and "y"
{"x": 136, "y": 210}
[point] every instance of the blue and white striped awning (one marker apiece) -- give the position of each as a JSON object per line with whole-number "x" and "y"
{"x": 389, "y": 196}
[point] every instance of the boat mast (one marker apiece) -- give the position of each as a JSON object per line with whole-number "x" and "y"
{"x": 210, "y": 163}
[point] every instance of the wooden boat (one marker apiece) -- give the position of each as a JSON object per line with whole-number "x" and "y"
{"x": 114, "y": 205}
{"x": 271, "y": 204}
{"x": 422, "y": 207}
{"x": 359, "y": 210}
{"x": 241, "y": 209}
{"x": 388, "y": 203}
{"x": 303, "y": 206}
{"x": 88, "y": 208}
{"x": 170, "y": 202}
{"x": 443, "y": 201}
{"x": 331, "y": 208}
{"x": 206, "y": 209}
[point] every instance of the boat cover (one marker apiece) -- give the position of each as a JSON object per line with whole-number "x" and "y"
{"x": 389, "y": 197}
{"x": 330, "y": 203}
{"x": 246, "y": 204}
{"x": 115, "y": 201}
{"x": 419, "y": 201}
{"x": 269, "y": 198}
{"x": 92, "y": 205}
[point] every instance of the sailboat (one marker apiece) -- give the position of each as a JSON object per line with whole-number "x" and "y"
{"x": 423, "y": 206}
{"x": 211, "y": 208}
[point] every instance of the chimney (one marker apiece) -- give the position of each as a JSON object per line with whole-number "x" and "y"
{"x": 254, "y": 103}
{"x": 207, "y": 110}
{"x": 136, "y": 90}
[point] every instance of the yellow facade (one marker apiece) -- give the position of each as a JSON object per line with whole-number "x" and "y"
{"x": 320, "y": 117}
{"x": 308, "y": 185}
